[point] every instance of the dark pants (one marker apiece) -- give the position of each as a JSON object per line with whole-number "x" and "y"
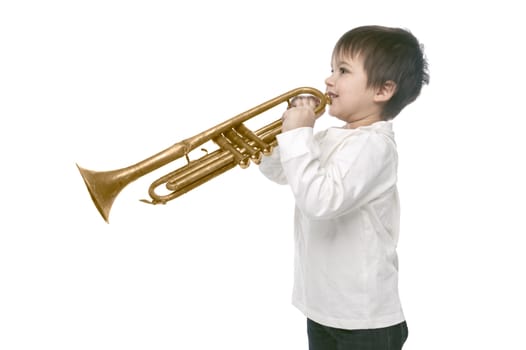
{"x": 328, "y": 338}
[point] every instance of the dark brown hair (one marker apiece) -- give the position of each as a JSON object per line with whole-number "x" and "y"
{"x": 388, "y": 54}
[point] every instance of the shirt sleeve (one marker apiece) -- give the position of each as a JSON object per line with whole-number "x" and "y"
{"x": 270, "y": 166}
{"x": 361, "y": 168}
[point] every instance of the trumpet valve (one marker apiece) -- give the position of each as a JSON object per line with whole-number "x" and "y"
{"x": 244, "y": 163}
{"x": 267, "y": 151}
{"x": 241, "y": 159}
{"x": 256, "y": 157}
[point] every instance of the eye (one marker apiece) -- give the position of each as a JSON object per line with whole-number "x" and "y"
{"x": 343, "y": 70}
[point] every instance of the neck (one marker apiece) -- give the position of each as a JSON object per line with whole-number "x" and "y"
{"x": 364, "y": 121}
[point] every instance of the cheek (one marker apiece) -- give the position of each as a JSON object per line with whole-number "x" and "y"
{"x": 346, "y": 98}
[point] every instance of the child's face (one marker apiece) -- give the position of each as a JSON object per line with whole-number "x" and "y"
{"x": 352, "y": 100}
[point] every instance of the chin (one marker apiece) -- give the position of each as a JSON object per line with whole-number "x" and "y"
{"x": 333, "y": 112}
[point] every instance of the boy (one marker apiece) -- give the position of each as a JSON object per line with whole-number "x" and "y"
{"x": 344, "y": 183}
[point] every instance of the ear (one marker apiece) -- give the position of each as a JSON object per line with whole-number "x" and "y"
{"x": 385, "y": 92}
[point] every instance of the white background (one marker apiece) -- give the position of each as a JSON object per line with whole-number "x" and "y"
{"x": 108, "y": 83}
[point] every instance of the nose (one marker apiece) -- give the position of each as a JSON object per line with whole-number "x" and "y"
{"x": 328, "y": 81}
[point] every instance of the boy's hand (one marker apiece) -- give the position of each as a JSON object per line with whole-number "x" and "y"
{"x": 301, "y": 113}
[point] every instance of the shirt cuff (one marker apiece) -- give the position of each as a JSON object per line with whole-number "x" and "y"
{"x": 294, "y": 143}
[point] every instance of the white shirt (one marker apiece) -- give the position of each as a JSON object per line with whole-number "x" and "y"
{"x": 346, "y": 223}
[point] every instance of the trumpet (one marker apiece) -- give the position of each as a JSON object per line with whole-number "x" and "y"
{"x": 237, "y": 145}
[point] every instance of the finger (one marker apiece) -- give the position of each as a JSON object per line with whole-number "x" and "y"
{"x": 294, "y": 102}
{"x": 299, "y": 101}
{"x": 305, "y": 101}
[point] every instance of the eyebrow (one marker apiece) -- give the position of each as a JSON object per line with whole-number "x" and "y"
{"x": 341, "y": 62}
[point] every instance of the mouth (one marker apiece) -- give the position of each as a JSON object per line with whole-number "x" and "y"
{"x": 331, "y": 95}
